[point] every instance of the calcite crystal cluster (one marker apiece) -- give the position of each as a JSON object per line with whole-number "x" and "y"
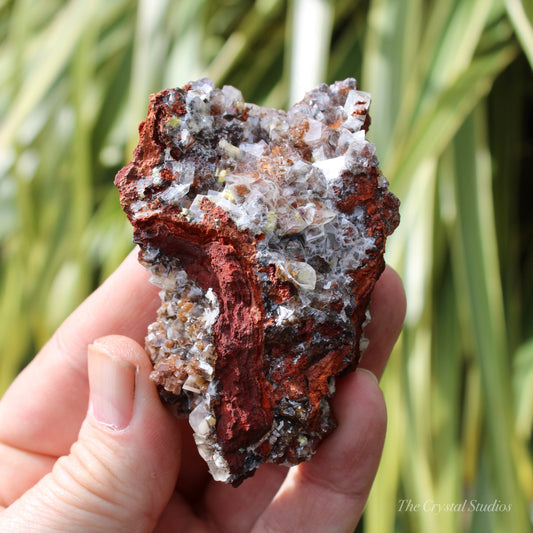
{"x": 265, "y": 231}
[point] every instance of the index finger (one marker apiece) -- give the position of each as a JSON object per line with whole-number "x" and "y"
{"x": 52, "y": 392}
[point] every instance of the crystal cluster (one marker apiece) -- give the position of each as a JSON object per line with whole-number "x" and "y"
{"x": 265, "y": 231}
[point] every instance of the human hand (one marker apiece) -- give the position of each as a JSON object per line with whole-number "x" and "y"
{"x": 125, "y": 464}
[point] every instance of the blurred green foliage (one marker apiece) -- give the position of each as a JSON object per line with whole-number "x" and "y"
{"x": 451, "y": 117}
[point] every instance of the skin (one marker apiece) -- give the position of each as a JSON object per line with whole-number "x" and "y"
{"x": 62, "y": 469}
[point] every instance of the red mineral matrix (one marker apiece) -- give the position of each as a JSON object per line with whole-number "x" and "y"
{"x": 265, "y": 230}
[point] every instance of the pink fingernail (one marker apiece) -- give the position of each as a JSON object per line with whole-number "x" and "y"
{"x": 112, "y": 388}
{"x": 369, "y": 372}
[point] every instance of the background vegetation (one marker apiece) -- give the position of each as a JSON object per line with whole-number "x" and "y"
{"x": 452, "y": 108}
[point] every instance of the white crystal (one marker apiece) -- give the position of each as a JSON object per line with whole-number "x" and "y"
{"x": 284, "y": 314}
{"x": 303, "y": 274}
{"x": 191, "y": 384}
{"x": 314, "y": 133}
{"x": 198, "y": 419}
{"x": 331, "y": 167}
{"x": 175, "y": 193}
{"x": 254, "y": 149}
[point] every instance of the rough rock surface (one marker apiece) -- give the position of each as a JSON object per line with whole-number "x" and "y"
{"x": 265, "y": 230}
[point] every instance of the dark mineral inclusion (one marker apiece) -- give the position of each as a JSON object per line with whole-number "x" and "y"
{"x": 265, "y": 231}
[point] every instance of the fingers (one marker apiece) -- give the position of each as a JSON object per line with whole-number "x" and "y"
{"x": 52, "y": 391}
{"x": 331, "y": 490}
{"x": 387, "y": 309}
{"x": 121, "y": 472}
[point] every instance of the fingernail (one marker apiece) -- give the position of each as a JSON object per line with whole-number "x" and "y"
{"x": 366, "y": 371}
{"x": 112, "y": 388}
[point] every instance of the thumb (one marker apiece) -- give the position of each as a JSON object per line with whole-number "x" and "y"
{"x": 122, "y": 470}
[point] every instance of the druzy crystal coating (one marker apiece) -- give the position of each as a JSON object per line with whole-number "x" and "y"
{"x": 265, "y": 231}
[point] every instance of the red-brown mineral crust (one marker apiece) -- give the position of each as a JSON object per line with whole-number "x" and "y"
{"x": 265, "y": 230}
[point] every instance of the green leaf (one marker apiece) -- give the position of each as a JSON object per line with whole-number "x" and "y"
{"x": 439, "y": 122}
{"x": 521, "y": 15}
